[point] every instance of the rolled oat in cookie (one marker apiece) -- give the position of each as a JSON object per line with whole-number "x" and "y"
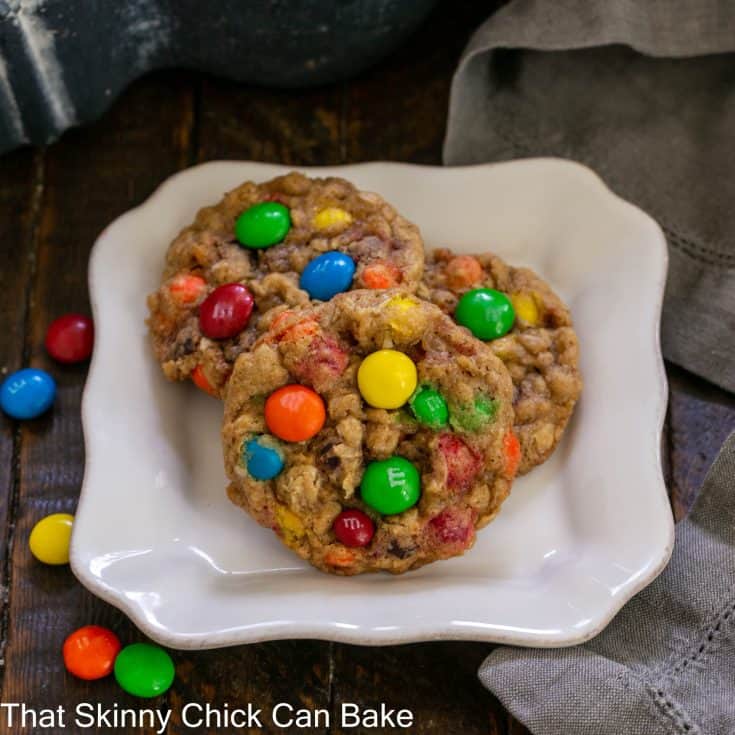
{"x": 370, "y": 433}
{"x": 538, "y": 347}
{"x": 285, "y": 242}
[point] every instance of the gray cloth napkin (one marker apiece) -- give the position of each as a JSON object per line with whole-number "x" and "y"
{"x": 643, "y": 93}
{"x": 614, "y": 84}
{"x": 666, "y": 664}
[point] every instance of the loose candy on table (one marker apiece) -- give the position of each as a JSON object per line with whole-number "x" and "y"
{"x": 27, "y": 393}
{"x": 226, "y": 311}
{"x": 328, "y": 275}
{"x": 391, "y": 485}
{"x": 70, "y": 338}
{"x": 262, "y": 462}
{"x": 487, "y": 313}
{"x": 263, "y": 225}
{"x": 387, "y": 378}
{"x": 144, "y": 670}
{"x": 353, "y": 528}
{"x": 430, "y": 408}
{"x": 50, "y": 537}
{"x": 294, "y": 413}
{"x": 89, "y": 652}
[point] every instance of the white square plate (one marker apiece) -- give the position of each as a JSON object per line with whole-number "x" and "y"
{"x": 156, "y": 536}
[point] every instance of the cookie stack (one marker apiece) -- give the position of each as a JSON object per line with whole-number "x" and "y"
{"x": 377, "y": 406}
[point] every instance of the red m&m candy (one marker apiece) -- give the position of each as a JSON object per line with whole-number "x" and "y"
{"x": 90, "y": 652}
{"x": 294, "y": 413}
{"x": 463, "y": 462}
{"x": 70, "y": 338}
{"x": 226, "y": 311}
{"x": 353, "y": 528}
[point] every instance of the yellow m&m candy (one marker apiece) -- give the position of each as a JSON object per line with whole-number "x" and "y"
{"x": 386, "y": 379}
{"x": 49, "y": 540}
{"x": 330, "y": 217}
{"x": 525, "y": 308}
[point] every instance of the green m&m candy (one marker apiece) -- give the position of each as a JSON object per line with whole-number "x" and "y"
{"x": 429, "y": 407}
{"x": 263, "y": 225}
{"x": 391, "y": 486}
{"x": 476, "y": 415}
{"x": 487, "y": 313}
{"x": 144, "y": 670}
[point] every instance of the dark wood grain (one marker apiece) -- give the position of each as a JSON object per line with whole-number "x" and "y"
{"x": 90, "y": 177}
{"x": 294, "y": 672}
{"x": 437, "y": 682}
{"x": 20, "y": 180}
{"x": 52, "y": 205}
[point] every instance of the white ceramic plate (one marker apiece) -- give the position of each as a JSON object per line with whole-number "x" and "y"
{"x": 156, "y": 536}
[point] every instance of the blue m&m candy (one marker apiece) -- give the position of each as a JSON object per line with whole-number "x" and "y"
{"x": 263, "y": 462}
{"x": 27, "y": 393}
{"x": 328, "y": 275}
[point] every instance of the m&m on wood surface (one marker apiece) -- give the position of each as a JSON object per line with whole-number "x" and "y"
{"x": 70, "y": 338}
{"x": 27, "y": 393}
{"x": 144, "y": 670}
{"x": 50, "y": 537}
{"x": 89, "y": 652}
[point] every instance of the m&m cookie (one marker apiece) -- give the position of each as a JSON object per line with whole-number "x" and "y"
{"x": 370, "y": 433}
{"x": 266, "y": 247}
{"x": 527, "y": 326}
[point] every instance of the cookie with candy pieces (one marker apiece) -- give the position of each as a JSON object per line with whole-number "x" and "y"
{"x": 370, "y": 433}
{"x": 266, "y": 247}
{"x": 527, "y": 326}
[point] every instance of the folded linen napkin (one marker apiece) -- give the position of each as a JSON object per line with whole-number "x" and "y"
{"x": 666, "y": 664}
{"x": 643, "y": 93}
{"x": 614, "y": 84}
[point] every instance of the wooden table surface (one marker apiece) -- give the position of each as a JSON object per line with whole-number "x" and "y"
{"x": 54, "y": 202}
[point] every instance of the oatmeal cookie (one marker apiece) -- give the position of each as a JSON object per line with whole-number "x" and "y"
{"x": 538, "y": 344}
{"x": 284, "y": 242}
{"x": 370, "y": 433}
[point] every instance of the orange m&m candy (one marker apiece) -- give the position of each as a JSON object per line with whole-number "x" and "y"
{"x": 186, "y": 288}
{"x": 294, "y": 413}
{"x": 381, "y": 274}
{"x": 463, "y": 271}
{"x": 201, "y": 381}
{"x": 512, "y": 451}
{"x": 90, "y": 652}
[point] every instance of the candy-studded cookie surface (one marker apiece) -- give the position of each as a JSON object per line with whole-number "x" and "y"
{"x": 370, "y": 433}
{"x": 527, "y": 326}
{"x": 266, "y": 247}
